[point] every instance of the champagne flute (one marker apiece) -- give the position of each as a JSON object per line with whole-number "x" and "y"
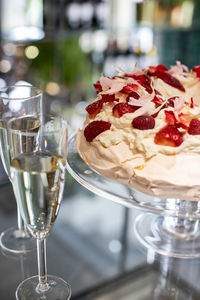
{"x": 17, "y": 101}
{"x": 37, "y": 168}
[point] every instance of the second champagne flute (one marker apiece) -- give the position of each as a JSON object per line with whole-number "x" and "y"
{"x": 38, "y": 163}
{"x": 17, "y": 101}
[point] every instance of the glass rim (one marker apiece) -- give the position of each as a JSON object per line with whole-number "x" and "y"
{"x": 3, "y": 89}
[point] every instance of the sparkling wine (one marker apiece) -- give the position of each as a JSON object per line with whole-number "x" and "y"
{"x": 4, "y": 148}
{"x": 23, "y": 123}
{"x": 38, "y": 180}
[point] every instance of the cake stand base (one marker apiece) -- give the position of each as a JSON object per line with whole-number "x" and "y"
{"x": 169, "y": 236}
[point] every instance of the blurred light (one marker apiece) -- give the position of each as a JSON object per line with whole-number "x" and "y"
{"x": 15, "y": 105}
{"x": 25, "y": 33}
{"x": 52, "y": 88}
{"x": 100, "y": 41}
{"x": 85, "y": 41}
{"x": 86, "y": 12}
{"x": 31, "y": 52}
{"x": 5, "y": 66}
{"x": 19, "y": 94}
{"x": 73, "y": 14}
{"x": 102, "y": 12}
{"x": 115, "y": 246}
{"x": 145, "y": 39}
{"x": 2, "y": 83}
{"x": 138, "y": 1}
{"x": 22, "y": 20}
{"x": 9, "y": 49}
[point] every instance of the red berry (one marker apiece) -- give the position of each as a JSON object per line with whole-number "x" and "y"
{"x": 98, "y": 86}
{"x": 169, "y": 136}
{"x": 157, "y": 100}
{"x": 144, "y": 80}
{"x": 196, "y": 70}
{"x": 169, "y": 79}
{"x": 170, "y": 117}
{"x": 108, "y": 98}
{"x": 170, "y": 101}
{"x": 129, "y": 88}
{"x": 123, "y": 108}
{"x": 194, "y": 127}
{"x": 94, "y": 108}
{"x": 153, "y": 70}
{"x": 133, "y": 95}
{"x": 94, "y": 128}
{"x": 143, "y": 122}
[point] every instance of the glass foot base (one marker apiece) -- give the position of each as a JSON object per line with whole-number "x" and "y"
{"x": 58, "y": 289}
{"x": 150, "y": 231}
{"x": 16, "y": 241}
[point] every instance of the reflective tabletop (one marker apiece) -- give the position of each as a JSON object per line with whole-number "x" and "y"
{"x": 92, "y": 246}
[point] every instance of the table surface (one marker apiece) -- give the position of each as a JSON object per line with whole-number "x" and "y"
{"x": 93, "y": 247}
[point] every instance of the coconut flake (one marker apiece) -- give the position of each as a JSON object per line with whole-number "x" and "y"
{"x": 111, "y": 86}
{"x": 147, "y": 108}
{"x": 142, "y": 100}
{"x": 179, "y": 68}
{"x": 178, "y": 103}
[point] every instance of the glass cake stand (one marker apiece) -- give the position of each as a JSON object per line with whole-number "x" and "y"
{"x": 167, "y": 226}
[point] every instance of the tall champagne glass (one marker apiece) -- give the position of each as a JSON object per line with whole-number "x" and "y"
{"x": 17, "y": 101}
{"x": 37, "y": 168}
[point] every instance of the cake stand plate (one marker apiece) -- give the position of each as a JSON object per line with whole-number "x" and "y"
{"x": 171, "y": 226}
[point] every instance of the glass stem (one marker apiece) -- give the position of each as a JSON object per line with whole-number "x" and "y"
{"x": 20, "y": 222}
{"x": 42, "y": 266}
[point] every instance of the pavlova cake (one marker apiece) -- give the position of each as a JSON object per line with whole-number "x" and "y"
{"x": 143, "y": 130}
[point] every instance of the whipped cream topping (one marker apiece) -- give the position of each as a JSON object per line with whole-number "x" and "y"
{"x": 131, "y": 155}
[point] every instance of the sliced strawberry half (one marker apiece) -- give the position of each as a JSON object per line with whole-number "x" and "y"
{"x": 94, "y": 108}
{"x": 170, "y": 117}
{"x": 169, "y": 136}
{"x": 171, "y": 80}
{"x": 153, "y": 70}
{"x": 144, "y": 80}
{"x": 143, "y": 122}
{"x": 197, "y": 71}
{"x": 108, "y": 98}
{"x": 157, "y": 100}
{"x": 94, "y": 128}
{"x": 133, "y": 95}
{"x": 98, "y": 86}
{"x": 194, "y": 127}
{"x": 123, "y": 108}
{"x": 129, "y": 88}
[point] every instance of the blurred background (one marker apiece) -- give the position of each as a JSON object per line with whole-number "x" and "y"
{"x": 63, "y": 46}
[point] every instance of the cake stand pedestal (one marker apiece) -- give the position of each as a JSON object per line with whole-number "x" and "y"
{"x": 168, "y": 226}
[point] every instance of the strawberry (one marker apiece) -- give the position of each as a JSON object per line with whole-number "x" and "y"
{"x": 94, "y": 128}
{"x": 143, "y": 122}
{"x": 192, "y": 103}
{"x": 194, "y": 127}
{"x": 94, "y": 108}
{"x": 197, "y": 71}
{"x": 98, "y": 86}
{"x": 108, "y": 98}
{"x": 129, "y": 88}
{"x": 123, "y": 108}
{"x": 170, "y": 101}
{"x": 153, "y": 70}
{"x": 133, "y": 95}
{"x": 144, "y": 80}
{"x": 157, "y": 100}
{"x": 170, "y": 117}
{"x": 169, "y": 79}
{"x": 169, "y": 136}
